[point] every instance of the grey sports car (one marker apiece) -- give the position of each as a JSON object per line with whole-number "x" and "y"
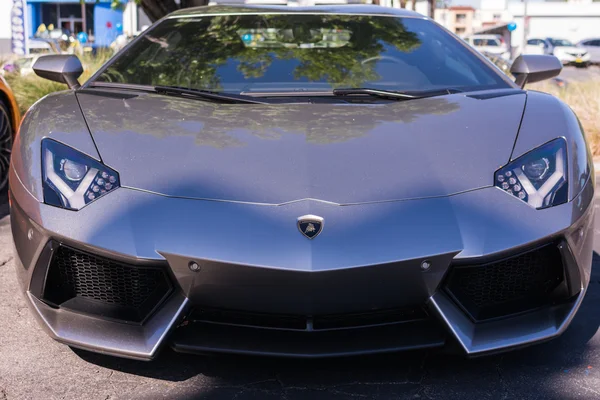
{"x": 301, "y": 182}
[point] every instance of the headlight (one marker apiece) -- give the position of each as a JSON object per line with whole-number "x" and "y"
{"x": 539, "y": 177}
{"x": 72, "y": 179}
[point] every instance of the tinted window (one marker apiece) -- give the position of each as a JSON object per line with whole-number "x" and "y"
{"x": 560, "y": 42}
{"x": 486, "y": 42}
{"x": 294, "y": 52}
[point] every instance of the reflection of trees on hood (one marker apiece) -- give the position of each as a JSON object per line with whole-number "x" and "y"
{"x": 221, "y": 125}
{"x": 189, "y": 51}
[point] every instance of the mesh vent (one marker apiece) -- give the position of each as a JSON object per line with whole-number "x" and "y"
{"x": 74, "y": 274}
{"x": 508, "y": 286}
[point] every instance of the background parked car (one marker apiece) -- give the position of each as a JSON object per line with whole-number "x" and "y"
{"x": 593, "y": 48}
{"x": 567, "y": 52}
{"x": 490, "y": 44}
{"x": 43, "y": 46}
{"x": 22, "y": 65}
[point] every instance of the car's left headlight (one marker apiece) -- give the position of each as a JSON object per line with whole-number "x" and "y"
{"x": 539, "y": 177}
{"x": 72, "y": 179}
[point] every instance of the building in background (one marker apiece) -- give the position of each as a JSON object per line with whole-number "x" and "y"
{"x": 493, "y": 13}
{"x": 54, "y": 19}
{"x": 5, "y": 27}
{"x": 457, "y": 19}
{"x": 573, "y": 20}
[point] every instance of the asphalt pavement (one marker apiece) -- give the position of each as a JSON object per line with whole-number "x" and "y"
{"x": 573, "y": 74}
{"x": 33, "y": 366}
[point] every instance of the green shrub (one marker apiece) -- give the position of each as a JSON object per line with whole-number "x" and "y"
{"x": 29, "y": 89}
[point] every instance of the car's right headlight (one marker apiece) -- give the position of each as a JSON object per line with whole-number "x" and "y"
{"x": 72, "y": 179}
{"x": 538, "y": 177}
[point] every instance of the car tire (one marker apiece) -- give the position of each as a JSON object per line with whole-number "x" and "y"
{"x": 6, "y": 140}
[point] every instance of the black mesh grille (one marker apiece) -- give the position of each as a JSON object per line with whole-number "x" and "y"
{"x": 74, "y": 274}
{"x": 508, "y": 286}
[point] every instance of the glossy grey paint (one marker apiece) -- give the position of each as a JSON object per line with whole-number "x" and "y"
{"x": 138, "y": 225}
{"x": 250, "y": 248}
{"x": 59, "y": 117}
{"x": 547, "y": 118}
{"x": 273, "y": 154}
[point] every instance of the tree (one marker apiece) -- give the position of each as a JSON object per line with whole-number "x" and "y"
{"x": 212, "y": 43}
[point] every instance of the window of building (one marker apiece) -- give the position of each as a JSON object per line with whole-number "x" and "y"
{"x": 461, "y": 18}
{"x": 497, "y": 17}
{"x": 460, "y": 31}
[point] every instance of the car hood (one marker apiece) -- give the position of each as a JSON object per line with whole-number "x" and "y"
{"x": 272, "y": 154}
{"x": 570, "y": 49}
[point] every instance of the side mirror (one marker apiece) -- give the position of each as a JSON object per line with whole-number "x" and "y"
{"x": 529, "y": 68}
{"x": 59, "y": 68}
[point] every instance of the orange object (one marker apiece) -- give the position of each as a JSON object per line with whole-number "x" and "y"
{"x": 7, "y": 96}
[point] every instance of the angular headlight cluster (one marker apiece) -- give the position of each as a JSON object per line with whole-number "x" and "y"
{"x": 539, "y": 177}
{"x": 71, "y": 179}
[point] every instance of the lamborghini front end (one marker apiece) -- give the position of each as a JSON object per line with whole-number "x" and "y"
{"x": 280, "y": 208}
{"x": 140, "y": 271}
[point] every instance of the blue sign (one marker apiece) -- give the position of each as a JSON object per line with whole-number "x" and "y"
{"x": 511, "y": 27}
{"x": 18, "y": 20}
{"x": 82, "y": 37}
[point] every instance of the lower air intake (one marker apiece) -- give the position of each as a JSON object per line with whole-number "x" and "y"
{"x": 98, "y": 285}
{"x": 508, "y": 286}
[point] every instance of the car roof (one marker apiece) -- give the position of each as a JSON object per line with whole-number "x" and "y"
{"x": 267, "y": 9}
{"x": 39, "y": 43}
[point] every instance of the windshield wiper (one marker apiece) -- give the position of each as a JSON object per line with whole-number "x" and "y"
{"x": 392, "y": 94}
{"x": 207, "y": 94}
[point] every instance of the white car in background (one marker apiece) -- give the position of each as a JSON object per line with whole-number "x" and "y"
{"x": 490, "y": 44}
{"x": 22, "y": 65}
{"x": 567, "y": 52}
{"x": 593, "y": 48}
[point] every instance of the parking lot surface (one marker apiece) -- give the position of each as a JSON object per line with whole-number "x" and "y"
{"x": 574, "y": 74}
{"x": 33, "y": 366}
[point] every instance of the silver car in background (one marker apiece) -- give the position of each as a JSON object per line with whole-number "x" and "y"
{"x": 301, "y": 182}
{"x": 567, "y": 52}
{"x": 490, "y": 44}
{"x": 592, "y": 46}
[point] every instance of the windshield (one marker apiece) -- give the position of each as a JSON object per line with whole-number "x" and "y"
{"x": 296, "y": 52}
{"x": 560, "y": 42}
{"x": 486, "y": 42}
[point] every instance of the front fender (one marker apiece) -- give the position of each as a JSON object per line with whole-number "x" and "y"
{"x": 55, "y": 116}
{"x": 546, "y": 118}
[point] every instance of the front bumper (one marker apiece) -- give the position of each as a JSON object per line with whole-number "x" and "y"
{"x": 367, "y": 261}
{"x": 571, "y": 59}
